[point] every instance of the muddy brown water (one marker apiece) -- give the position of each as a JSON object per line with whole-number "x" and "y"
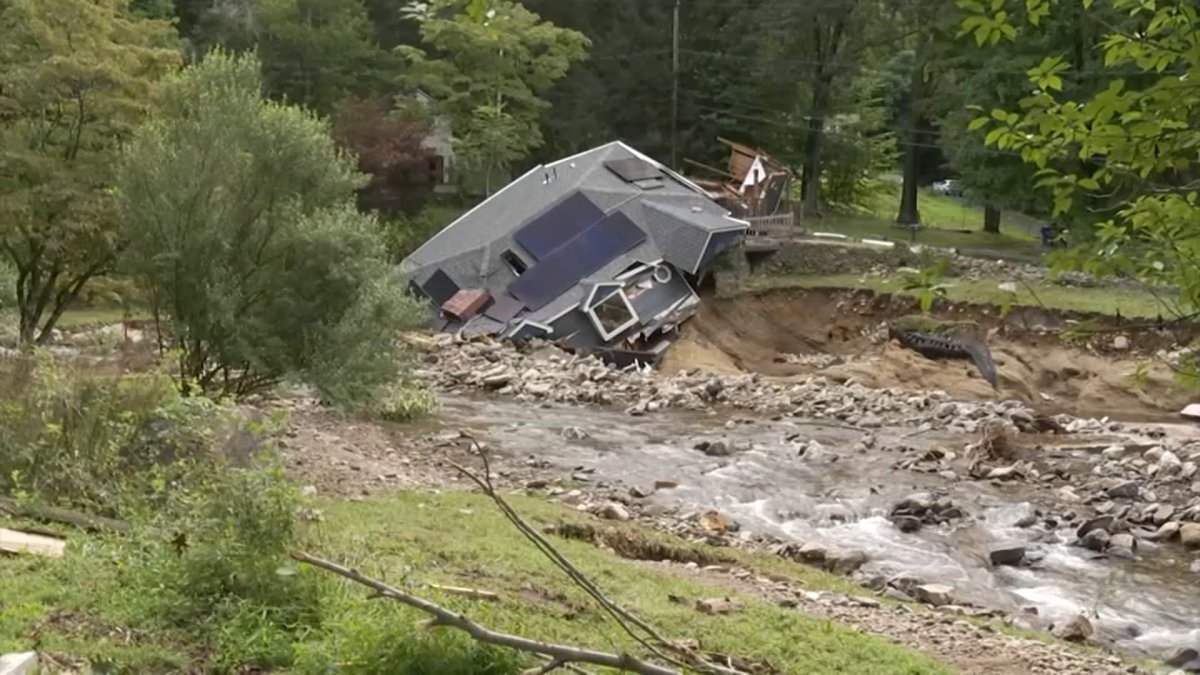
{"x": 840, "y": 499}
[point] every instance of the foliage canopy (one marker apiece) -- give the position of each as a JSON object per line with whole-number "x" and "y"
{"x": 243, "y": 228}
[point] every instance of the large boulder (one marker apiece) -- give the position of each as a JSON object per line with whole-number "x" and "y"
{"x": 1077, "y": 629}
{"x": 1189, "y": 535}
{"x": 1010, "y": 553}
{"x": 934, "y": 594}
{"x": 1095, "y": 540}
{"x": 1097, "y": 523}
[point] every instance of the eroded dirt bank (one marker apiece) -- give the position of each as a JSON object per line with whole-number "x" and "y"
{"x": 1123, "y": 371}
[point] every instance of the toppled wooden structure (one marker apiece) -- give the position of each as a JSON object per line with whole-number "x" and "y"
{"x": 754, "y": 186}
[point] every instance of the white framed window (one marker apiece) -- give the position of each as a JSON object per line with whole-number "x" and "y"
{"x": 613, "y": 314}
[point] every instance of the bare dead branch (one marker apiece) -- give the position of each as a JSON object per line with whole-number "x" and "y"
{"x": 85, "y": 521}
{"x": 652, "y": 640}
{"x": 559, "y": 655}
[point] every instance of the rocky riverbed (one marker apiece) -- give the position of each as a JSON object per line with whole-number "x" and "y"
{"x": 541, "y": 372}
{"x": 1089, "y": 528}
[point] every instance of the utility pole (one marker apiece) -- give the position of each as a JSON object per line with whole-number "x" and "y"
{"x": 675, "y": 88}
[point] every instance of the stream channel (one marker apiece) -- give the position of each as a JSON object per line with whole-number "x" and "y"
{"x": 840, "y": 498}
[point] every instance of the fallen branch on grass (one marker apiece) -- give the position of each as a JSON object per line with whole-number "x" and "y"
{"x": 472, "y": 593}
{"x": 560, "y": 655}
{"x": 53, "y": 514}
{"x": 650, "y": 638}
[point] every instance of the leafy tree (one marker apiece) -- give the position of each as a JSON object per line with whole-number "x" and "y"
{"x": 389, "y": 148}
{"x": 859, "y": 148}
{"x": 244, "y": 232}
{"x": 835, "y": 40}
{"x": 316, "y": 52}
{"x": 486, "y": 63}
{"x": 927, "y": 27}
{"x": 1126, "y": 147}
{"x": 75, "y": 77}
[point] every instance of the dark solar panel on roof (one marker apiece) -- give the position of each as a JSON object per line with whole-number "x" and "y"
{"x": 558, "y": 225}
{"x": 440, "y": 287}
{"x": 633, "y": 169}
{"x": 592, "y": 249}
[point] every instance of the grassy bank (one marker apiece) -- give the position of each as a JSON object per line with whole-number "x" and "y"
{"x": 948, "y": 223}
{"x": 73, "y": 606}
{"x": 1130, "y": 303}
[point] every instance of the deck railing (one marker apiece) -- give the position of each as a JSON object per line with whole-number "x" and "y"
{"x": 778, "y": 225}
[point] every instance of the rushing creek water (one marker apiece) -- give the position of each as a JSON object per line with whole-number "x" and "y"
{"x": 840, "y": 499}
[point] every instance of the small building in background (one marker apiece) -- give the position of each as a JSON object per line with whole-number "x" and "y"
{"x": 599, "y": 252}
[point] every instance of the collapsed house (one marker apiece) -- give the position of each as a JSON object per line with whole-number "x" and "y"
{"x": 599, "y": 252}
{"x": 753, "y": 184}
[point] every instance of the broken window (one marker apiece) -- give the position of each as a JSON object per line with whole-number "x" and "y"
{"x": 514, "y": 263}
{"x": 613, "y": 315}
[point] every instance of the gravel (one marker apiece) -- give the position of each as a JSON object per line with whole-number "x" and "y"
{"x": 543, "y": 373}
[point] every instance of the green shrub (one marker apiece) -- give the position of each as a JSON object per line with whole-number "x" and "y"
{"x": 213, "y": 519}
{"x": 241, "y": 221}
{"x": 406, "y": 402}
{"x": 98, "y": 442}
{"x": 213, "y": 562}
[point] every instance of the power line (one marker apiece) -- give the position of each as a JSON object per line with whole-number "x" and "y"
{"x": 877, "y": 71}
{"x": 827, "y": 132}
{"x": 901, "y": 131}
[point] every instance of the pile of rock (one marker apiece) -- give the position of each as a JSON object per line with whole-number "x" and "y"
{"x": 838, "y": 561}
{"x": 921, "y": 509}
{"x": 541, "y": 372}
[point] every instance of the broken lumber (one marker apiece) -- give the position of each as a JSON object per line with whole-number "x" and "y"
{"x": 472, "y": 593}
{"x": 54, "y": 514}
{"x": 559, "y": 655}
{"x": 15, "y": 541}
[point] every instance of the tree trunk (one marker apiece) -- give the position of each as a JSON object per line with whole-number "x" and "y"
{"x": 991, "y": 219}
{"x": 811, "y": 181}
{"x": 909, "y": 213}
{"x": 812, "y": 168}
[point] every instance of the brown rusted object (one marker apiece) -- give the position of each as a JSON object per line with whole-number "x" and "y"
{"x": 466, "y": 303}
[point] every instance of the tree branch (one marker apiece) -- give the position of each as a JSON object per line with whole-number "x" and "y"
{"x": 559, "y": 655}
{"x": 655, "y": 642}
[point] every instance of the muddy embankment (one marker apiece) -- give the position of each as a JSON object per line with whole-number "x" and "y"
{"x": 1123, "y": 369}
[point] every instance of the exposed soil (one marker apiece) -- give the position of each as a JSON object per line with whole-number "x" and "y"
{"x": 780, "y": 332}
{"x": 343, "y": 457}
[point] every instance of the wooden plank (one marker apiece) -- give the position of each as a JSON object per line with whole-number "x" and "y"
{"x": 22, "y": 663}
{"x": 15, "y": 541}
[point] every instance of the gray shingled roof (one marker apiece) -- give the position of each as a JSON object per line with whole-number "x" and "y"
{"x": 677, "y": 217}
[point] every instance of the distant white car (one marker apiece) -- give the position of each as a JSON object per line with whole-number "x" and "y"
{"x": 951, "y": 188}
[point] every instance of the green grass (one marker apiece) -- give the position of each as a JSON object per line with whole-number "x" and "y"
{"x": 1128, "y": 302}
{"x": 949, "y": 223}
{"x": 411, "y": 539}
